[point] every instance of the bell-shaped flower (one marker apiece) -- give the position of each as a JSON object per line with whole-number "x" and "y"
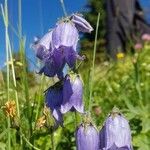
{"x": 58, "y": 59}
{"x": 65, "y": 35}
{"x": 81, "y": 24}
{"x": 54, "y": 65}
{"x": 53, "y": 100}
{"x": 43, "y": 47}
{"x": 87, "y": 137}
{"x": 58, "y": 47}
{"x": 115, "y": 134}
{"x": 69, "y": 56}
{"x": 72, "y": 94}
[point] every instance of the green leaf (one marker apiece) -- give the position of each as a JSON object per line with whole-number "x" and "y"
{"x": 2, "y": 146}
{"x": 145, "y": 125}
{"x": 142, "y": 142}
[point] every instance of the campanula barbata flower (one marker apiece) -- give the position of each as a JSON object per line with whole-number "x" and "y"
{"x": 72, "y": 94}
{"x": 115, "y": 134}
{"x": 65, "y": 38}
{"x": 53, "y": 100}
{"x": 54, "y": 66}
{"x": 81, "y": 24}
{"x": 87, "y": 136}
{"x": 59, "y": 46}
{"x": 65, "y": 34}
{"x": 43, "y": 46}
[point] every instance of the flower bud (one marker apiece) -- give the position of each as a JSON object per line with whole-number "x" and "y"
{"x": 81, "y": 24}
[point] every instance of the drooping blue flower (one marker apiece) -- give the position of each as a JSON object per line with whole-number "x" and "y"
{"x": 52, "y": 59}
{"x": 53, "y": 100}
{"x": 43, "y": 47}
{"x": 65, "y": 35}
{"x": 59, "y": 57}
{"x": 72, "y": 94}
{"x": 81, "y": 24}
{"x": 65, "y": 38}
{"x": 57, "y": 48}
{"x": 54, "y": 65}
{"x": 116, "y": 134}
{"x": 87, "y": 137}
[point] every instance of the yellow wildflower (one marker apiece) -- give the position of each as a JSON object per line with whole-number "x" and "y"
{"x": 120, "y": 55}
{"x": 41, "y": 122}
{"x": 46, "y": 111}
{"x": 10, "y": 109}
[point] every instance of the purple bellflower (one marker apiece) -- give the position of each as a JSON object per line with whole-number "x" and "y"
{"x": 115, "y": 134}
{"x": 51, "y": 58}
{"x": 65, "y": 38}
{"x": 53, "y": 100}
{"x": 43, "y": 46}
{"x": 81, "y": 24}
{"x": 65, "y": 34}
{"x": 72, "y": 94}
{"x": 57, "y": 61}
{"x": 54, "y": 65}
{"x": 58, "y": 47}
{"x": 87, "y": 137}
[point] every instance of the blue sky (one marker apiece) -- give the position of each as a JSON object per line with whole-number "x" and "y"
{"x": 37, "y": 17}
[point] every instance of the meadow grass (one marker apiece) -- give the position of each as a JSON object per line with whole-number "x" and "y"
{"x": 124, "y": 83}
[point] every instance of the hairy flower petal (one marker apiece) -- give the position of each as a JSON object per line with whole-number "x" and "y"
{"x": 81, "y": 24}
{"x": 53, "y": 99}
{"x": 54, "y": 66}
{"x": 87, "y": 138}
{"x": 72, "y": 95}
{"x": 116, "y": 131}
{"x": 43, "y": 46}
{"x": 45, "y": 41}
{"x": 65, "y": 34}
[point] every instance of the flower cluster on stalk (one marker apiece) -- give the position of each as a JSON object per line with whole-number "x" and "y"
{"x": 59, "y": 46}
{"x": 58, "y": 49}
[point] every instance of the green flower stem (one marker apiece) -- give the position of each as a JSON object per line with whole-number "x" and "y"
{"x": 52, "y": 140}
{"x": 137, "y": 80}
{"x": 5, "y": 18}
{"x": 26, "y": 140}
{"x": 20, "y": 20}
{"x": 39, "y": 98}
{"x": 93, "y": 63}
{"x": 9, "y": 134}
{"x": 63, "y": 7}
{"x": 75, "y": 119}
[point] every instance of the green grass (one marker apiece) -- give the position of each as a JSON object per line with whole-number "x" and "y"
{"x": 124, "y": 83}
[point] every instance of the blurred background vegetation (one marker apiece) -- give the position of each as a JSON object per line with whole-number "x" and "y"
{"x": 124, "y": 84}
